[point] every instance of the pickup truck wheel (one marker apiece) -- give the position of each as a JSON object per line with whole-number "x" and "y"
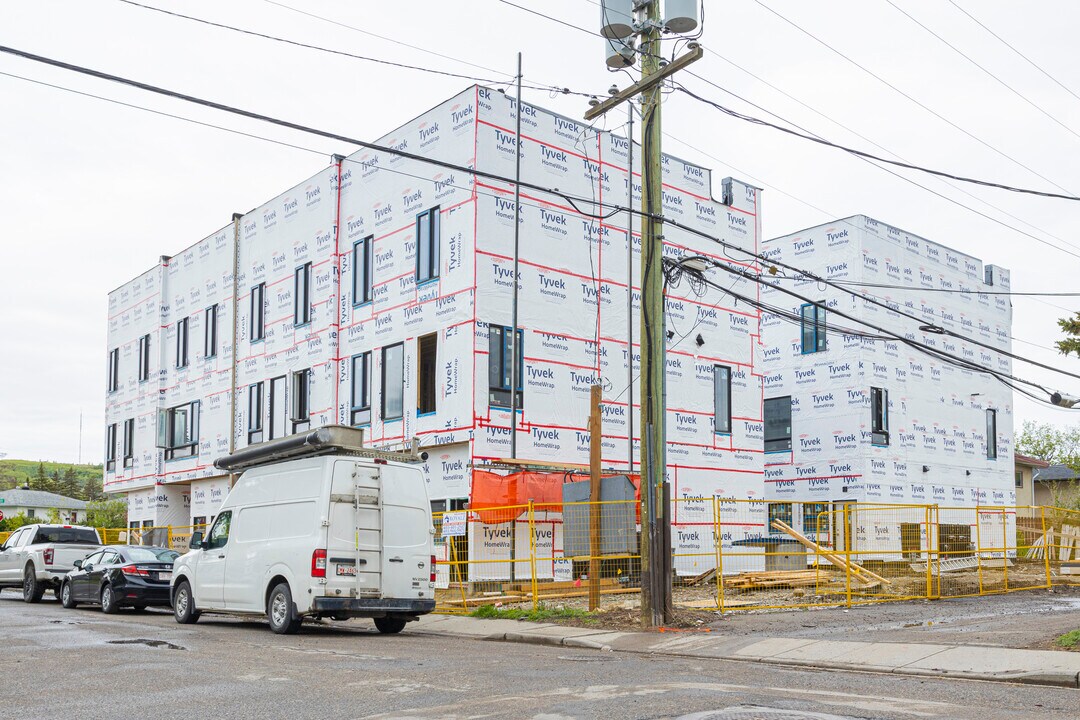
{"x": 65, "y": 596}
{"x": 280, "y": 611}
{"x": 56, "y": 592}
{"x": 184, "y": 604}
{"x": 389, "y": 625}
{"x": 32, "y": 589}
{"x": 110, "y": 604}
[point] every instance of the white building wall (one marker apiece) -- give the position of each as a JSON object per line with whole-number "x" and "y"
{"x": 936, "y": 410}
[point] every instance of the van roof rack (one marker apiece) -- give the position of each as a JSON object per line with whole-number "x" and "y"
{"x": 326, "y": 440}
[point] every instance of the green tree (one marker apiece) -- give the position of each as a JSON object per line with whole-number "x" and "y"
{"x": 1053, "y": 443}
{"x": 1071, "y": 327}
{"x": 92, "y": 490}
{"x": 107, "y": 513}
{"x": 40, "y": 481}
{"x": 53, "y": 516}
{"x": 69, "y": 483}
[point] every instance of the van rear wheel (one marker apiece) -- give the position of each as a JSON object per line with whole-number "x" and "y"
{"x": 281, "y": 612}
{"x": 389, "y": 625}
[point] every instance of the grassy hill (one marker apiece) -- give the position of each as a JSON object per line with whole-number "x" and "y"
{"x": 16, "y": 473}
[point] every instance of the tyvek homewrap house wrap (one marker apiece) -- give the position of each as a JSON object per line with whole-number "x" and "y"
{"x": 873, "y": 419}
{"x": 378, "y": 293}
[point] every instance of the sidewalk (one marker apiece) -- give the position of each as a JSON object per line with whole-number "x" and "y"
{"x": 1039, "y": 667}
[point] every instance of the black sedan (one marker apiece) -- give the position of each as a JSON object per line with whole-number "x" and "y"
{"x": 120, "y": 575}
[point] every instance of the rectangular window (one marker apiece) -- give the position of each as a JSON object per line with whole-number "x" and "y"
{"x": 258, "y": 312}
{"x": 178, "y": 430}
{"x": 144, "y": 358}
{"x": 182, "y": 343}
{"x": 255, "y": 413}
{"x": 778, "y": 424}
{"x": 279, "y": 414}
{"x": 361, "y": 389}
{"x": 879, "y": 416}
{"x": 781, "y": 512}
{"x": 393, "y": 382}
{"x": 812, "y": 317}
{"x": 210, "y": 331}
{"x": 114, "y": 369}
{"x": 110, "y": 448}
{"x": 1019, "y": 478}
{"x": 815, "y": 520}
{"x": 302, "y": 295}
{"x": 427, "y": 245}
{"x": 991, "y": 434}
{"x": 721, "y": 399}
{"x": 426, "y": 380}
{"x": 129, "y": 442}
{"x": 361, "y": 279}
{"x": 301, "y": 400}
{"x": 500, "y": 352}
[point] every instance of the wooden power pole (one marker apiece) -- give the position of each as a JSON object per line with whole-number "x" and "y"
{"x": 595, "y": 516}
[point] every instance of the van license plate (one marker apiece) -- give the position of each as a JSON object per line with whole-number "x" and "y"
{"x": 346, "y": 570}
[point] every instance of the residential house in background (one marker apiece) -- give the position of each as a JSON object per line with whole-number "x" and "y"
{"x": 1025, "y": 469}
{"x": 36, "y": 504}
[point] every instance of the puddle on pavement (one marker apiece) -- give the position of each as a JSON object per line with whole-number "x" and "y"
{"x": 148, "y": 643}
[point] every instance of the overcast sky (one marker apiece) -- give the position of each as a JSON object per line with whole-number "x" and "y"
{"x": 91, "y": 192}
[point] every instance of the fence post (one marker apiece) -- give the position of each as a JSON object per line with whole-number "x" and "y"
{"x": 532, "y": 555}
{"x": 719, "y": 539}
{"x": 929, "y": 582}
{"x": 1046, "y": 547}
{"x": 978, "y": 546}
{"x": 1005, "y": 546}
{"x": 847, "y": 552}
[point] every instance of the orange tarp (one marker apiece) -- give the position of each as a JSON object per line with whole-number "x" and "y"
{"x": 501, "y": 498}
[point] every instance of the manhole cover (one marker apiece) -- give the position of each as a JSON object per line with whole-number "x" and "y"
{"x": 148, "y": 643}
{"x": 762, "y": 713}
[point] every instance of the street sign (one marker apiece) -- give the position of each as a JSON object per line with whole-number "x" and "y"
{"x": 1, "y": 516}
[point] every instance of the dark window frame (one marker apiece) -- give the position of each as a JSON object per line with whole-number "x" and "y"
{"x": 257, "y": 321}
{"x": 991, "y": 434}
{"x": 360, "y": 411}
{"x": 722, "y": 415}
{"x": 210, "y": 333}
{"x": 362, "y": 291}
{"x": 813, "y": 327}
{"x": 879, "y": 416}
{"x": 110, "y": 447}
{"x": 499, "y": 374}
{"x": 427, "y": 263}
{"x": 300, "y": 403}
{"x": 144, "y": 358}
{"x": 113, "y": 380}
{"x": 273, "y": 404}
{"x": 129, "y": 442}
{"x": 383, "y": 384}
{"x": 166, "y": 431}
{"x": 781, "y": 442}
{"x": 302, "y": 295}
{"x": 427, "y": 388}
{"x": 182, "y": 355}
{"x": 256, "y": 401}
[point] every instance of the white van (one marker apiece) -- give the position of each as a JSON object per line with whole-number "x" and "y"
{"x": 316, "y": 526}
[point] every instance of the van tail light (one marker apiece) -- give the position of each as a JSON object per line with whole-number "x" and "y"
{"x": 48, "y": 555}
{"x": 135, "y": 570}
{"x": 318, "y": 564}
{"x": 432, "y": 568}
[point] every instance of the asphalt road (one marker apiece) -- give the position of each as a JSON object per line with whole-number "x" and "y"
{"x": 57, "y": 663}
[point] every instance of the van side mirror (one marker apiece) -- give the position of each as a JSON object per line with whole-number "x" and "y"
{"x": 196, "y": 541}
{"x": 77, "y": 564}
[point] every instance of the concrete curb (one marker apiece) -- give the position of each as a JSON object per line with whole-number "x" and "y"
{"x": 905, "y": 657}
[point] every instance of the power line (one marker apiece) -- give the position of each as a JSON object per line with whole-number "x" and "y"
{"x": 1011, "y": 47}
{"x": 342, "y": 53}
{"x": 885, "y": 82}
{"x": 479, "y": 173}
{"x": 918, "y": 288}
{"x": 871, "y": 156}
{"x": 964, "y": 55}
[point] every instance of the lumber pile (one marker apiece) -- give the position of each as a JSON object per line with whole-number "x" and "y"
{"x": 858, "y": 572}
{"x": 1062, "y": 544}
{"x": 752, "y": 580}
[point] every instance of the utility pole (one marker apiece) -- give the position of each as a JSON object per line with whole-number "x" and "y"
{"x": 656, "y": 606}
{"x": 596, "y": 396}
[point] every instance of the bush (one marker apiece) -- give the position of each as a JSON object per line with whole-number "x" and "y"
{"x": 16, "y": 522}
{"x": 107, "y": 513}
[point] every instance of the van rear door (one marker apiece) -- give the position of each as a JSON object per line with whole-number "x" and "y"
{"x": 407, "y": 534}
{"x": 354, "y": 538}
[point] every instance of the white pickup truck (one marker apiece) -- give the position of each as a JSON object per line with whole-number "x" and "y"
{"x": 37, "y": 557}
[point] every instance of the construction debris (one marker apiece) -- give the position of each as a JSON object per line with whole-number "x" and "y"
{"x": 857, "y": 571}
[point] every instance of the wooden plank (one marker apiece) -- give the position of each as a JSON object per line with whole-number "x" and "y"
{"x": 823, "y": 552}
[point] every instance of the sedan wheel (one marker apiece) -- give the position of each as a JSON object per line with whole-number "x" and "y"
{"x": 65, "y": 596}
{"x": 109, "y": 602}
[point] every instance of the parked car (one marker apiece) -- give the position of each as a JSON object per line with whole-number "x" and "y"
{"x": 38, "y": 557}
{"x": 120, "y": 575}
{"x": 315, "y": 527}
